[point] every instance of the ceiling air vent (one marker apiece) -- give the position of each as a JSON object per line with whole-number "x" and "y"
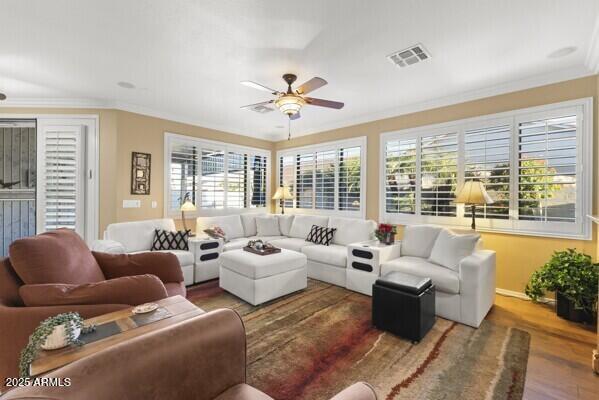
{"x": 262, "y": 109}
{"x": 411, "y": 55}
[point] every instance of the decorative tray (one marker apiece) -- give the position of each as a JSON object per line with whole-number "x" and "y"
{"x": 264, "y": 252}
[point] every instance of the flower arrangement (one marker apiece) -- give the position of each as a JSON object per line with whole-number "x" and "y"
{"x": 73, "y": 326}
{"x": 385, "y": 233}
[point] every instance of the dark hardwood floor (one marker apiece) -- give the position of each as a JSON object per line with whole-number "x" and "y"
{"x": 559, "y": 366}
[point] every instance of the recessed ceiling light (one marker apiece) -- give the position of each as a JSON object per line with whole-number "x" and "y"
{"x": 2, "y": 96}
{"x": 564, "y": 51}
{"x": 126, "y": 85}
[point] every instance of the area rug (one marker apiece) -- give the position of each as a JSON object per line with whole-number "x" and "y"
{"x": 314, "y": 343}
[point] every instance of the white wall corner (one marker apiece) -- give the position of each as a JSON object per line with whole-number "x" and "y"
{"x": 592, "y": 60}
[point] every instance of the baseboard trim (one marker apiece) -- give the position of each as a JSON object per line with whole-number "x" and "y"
{"x": 520, "y": 295}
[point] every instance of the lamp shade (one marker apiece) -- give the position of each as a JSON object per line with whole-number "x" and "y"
{"x": 283, "y": 193}
{"x": 188, "y": 206}
{"x": 473, "y": 192}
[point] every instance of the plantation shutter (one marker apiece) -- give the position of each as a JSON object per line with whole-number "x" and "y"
{"x": 439, "y": 169}
{"x": 257, "y": 180}
{"x": 324, "y": 187}
{"x": 305, "y": 180}
{"x": 62, "y": 169}
{"x": 287, "y": 175}
{"x": 400, "y": 176}
{"x": 349, "y": 178}
{"x": 547, "y": 164}
{"x": 183, "y": 174}
{"x": 212, "y": 184}
{"x": 487, "y": 159}
{"x": 237, "y": 167}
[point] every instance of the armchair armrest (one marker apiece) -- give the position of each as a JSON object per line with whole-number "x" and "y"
{"x": 164, "y": 364}
{"x": 477, "y": 286}
{"x": 164, "y": 265}
{"x": 132, "y": 290}
{"x": 357, "y": 391}
{"x": 108, "y": 246}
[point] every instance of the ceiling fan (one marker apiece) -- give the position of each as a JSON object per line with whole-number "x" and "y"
{"x": 291, "y": 101}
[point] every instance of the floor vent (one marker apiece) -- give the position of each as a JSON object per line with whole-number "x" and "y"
{"x": 411, "y": 55}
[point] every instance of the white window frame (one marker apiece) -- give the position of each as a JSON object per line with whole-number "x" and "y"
{"x": 335, "y": 145}
{"x": 581, "y": 229}
{"x": 170, "y": 138}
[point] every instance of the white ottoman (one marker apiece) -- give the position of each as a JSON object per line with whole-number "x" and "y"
{"x": 258, "y": 279}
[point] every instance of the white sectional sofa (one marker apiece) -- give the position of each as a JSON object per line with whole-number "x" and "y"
{"x": 463, "y": 273}
{"x": 137, "y": 237}
{"x": 325, "y": 263}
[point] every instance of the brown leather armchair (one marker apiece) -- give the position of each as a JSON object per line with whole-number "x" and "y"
{"x": 203, "y": 358}
{"x": 55, "y": 272}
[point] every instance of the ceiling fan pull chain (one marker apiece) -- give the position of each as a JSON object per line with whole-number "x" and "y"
{"x": 289, "y": 128}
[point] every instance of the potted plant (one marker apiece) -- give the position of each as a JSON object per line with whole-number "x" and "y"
{"x": 573, "y": 277}
{"x": 385, "y": 233}
{"x": 53, "y": 333}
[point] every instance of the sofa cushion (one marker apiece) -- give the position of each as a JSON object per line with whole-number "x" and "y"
{"x": 418, "y": 240}
{"x": 333, "y": 254}
{"x": 249, "y": 224}
{"x": 450, "y": 249}
{"x": 175, "y": 288}
{"x": 235, "y": 244}
{"x": 266, "y": 238}
{"x": 137, "y": 235}
{"x": 255, "y": 266}
{"x": 267, "y": 226}
{"x": 132, "y": 290}
{"x": 352, "y": 230}
{"x": 59, "y": 256}
{"x": 303, "y": 223}
{"x": 230, "y": 224}
{"x": 445, "y": 279}
{"x": 294, "y": 244}
{"x": 285, "y": 222}
{"x": 321, "y": 235}
{"x": 185, "y": 258}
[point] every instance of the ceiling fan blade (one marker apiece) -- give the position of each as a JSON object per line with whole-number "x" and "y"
{"x": 259, "y": 87}
{"x": 324, "y": 103}
{"x": 263, "y": 103}
{"x": 295, "y": 116}
{"x": 311, "y": 85}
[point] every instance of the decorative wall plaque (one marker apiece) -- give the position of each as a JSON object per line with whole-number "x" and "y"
{"x": 140, "y": 172}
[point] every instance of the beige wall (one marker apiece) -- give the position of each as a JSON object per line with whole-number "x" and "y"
{"x": 517, "y": 256}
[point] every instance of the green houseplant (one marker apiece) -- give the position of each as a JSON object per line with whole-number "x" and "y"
{"x": 69, "y": 324}
{"x": 573, "y": 277}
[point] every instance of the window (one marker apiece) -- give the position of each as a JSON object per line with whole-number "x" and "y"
{"x": 326, "y": 178}
{"x": 216, "y": 176}
{"x": 531, "y": 162}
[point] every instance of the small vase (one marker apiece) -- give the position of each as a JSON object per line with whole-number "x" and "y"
{"x": 389, "y": 238}
{"x": 58, "y": 339}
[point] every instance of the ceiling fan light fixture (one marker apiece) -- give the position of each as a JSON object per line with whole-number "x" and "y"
{"x": 290, "y": 104}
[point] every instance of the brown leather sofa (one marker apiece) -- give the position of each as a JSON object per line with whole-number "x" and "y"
{"x": 203, "y": 358}
{"x": 55, "y": 272}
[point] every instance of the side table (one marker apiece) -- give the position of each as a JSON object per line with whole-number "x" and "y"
{"x": 206, "y": 252}
{"x": 364, "y": 261}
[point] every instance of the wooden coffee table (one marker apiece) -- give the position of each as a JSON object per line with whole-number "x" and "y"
{"x": 179, "y": 308}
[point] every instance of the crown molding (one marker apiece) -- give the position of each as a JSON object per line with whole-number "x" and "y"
{"x": 592, "y": 60}
{"x": 503, "y": 88}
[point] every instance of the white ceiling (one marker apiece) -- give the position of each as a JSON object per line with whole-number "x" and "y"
{"x": 187, "y": 57}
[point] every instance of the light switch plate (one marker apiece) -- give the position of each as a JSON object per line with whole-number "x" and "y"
{"x": 154, "y": 204}
{"x": 131, "y": 203}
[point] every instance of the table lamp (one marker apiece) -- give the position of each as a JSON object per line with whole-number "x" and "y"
{"x": 283, "y": 194}
{"x": 473, "y": 193}
{"x": 186, "y": 206}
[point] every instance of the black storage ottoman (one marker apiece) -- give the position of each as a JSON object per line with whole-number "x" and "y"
{"x": 404, "y": 305}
